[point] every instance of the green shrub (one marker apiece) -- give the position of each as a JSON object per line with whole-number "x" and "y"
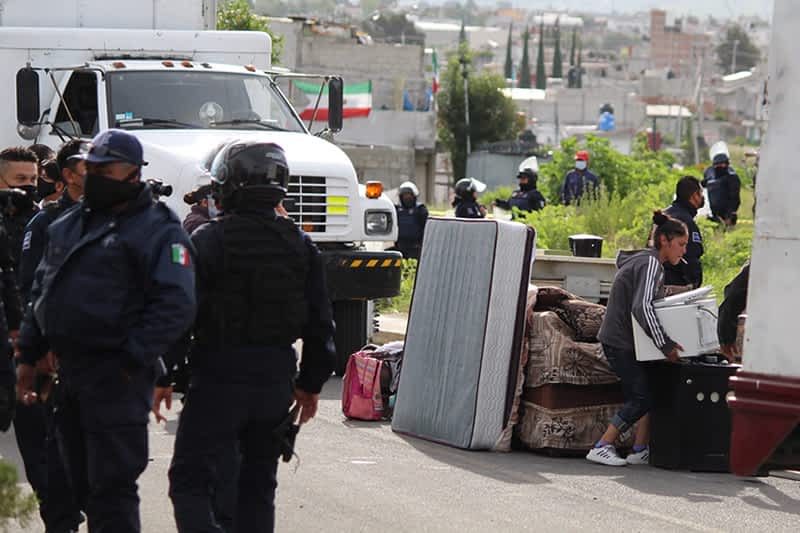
{"x": 14, "y": 504}
{"x": 401, "y": 302}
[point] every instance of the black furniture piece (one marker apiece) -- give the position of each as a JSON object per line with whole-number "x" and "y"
{"x": 690, "y": 421}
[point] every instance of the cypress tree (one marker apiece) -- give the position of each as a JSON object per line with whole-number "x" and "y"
{"x": 557, "y": 60}
{"x": 572, "y": 48}
{"x": 525, "y": 67}
{"x": 508, "y": 72}
{"x": 541, "y": 75}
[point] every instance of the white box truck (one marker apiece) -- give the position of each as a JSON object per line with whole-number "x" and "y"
{"x": 160, "y": 71}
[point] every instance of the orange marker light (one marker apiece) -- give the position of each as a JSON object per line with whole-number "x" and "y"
{"x": 187, "y": 64}
{"x": 118, "y": 64}
{"x": 250, "y": 68}
{"x": 374, "y": 189}
{"x": 168, "y": 64}
{"x": 308, "y": 228}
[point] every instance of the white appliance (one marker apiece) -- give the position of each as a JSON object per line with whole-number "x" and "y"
{"x": 690, "y": 319}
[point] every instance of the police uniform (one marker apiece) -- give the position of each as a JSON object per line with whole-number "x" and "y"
{"x": 468, "y": 209}
{"x": 524, "y": 200}
{"x": 690, "y": 270}
{"x": 260, "y": 287}
{"x": 10, "y": 316}
{"x": 114, "y": 290}
{"x": 410, "y": 229}
{"x": 724, "y": 187}
{"x": 43, "y": 465}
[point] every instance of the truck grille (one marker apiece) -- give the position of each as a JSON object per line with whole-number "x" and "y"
{"x": 317, "y": 204}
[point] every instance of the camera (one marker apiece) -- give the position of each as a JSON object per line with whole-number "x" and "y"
{"x": 159, "y": 188}
{"x": 15, "y": 198}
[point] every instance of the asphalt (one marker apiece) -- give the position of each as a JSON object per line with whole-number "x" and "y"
{"x": 360, "y": 476}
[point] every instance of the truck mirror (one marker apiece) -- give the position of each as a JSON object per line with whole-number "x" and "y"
{"x": 27, "y": 97}
{"x": 335, "y": 104}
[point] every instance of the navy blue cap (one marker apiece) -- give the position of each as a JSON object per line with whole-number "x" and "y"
{"x": 112, "y": 146}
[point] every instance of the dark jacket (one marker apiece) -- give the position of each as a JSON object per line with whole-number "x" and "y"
{"x": 196, "y": 218}
{"x": 468, "y": 209}
{"x": 639, "y": 281}
{"x": 724, "y": 189}
{"x": 260, "y": 363}
{"x": 34, "y": 241}
{"x": 576, "y": 183}
{"x": 733, "y": 305}
{"x": 112, "y": 292}
{"x": 10, "y": 311}
{"x": 410, "y": 229}
{"x": 15, "y": 225}
{"x": 524, "y": 200}
{"x": 689, "y": 272}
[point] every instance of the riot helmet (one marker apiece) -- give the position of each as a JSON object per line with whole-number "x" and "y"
{"x": 408, "y": 193}
{"x": 466, "y": 188}
{"x": 250, "y": 169}
{"x": 527, "y": 179}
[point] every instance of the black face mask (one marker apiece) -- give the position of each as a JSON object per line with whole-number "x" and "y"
{"x": 45, "y": 188}
{"x": 102, "y": 193}
{"x": 31, "y": 193}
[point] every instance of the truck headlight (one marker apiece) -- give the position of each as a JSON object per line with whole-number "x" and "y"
{"x": 377, "y": 222}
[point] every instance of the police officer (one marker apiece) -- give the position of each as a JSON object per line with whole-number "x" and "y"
{"x": 10, "y": 316}
{"x": 527, "y": 197}
{"x": 579, "y": 180}
{"x": 260, "y": 285}
{"x": 114, "y": 290}
{"x": 57, "y": 505}
{"x": 411, "y": 218}
{"x": 19, "y": 170}
{"x": 724, "y": 187}
{"x": 466, "y": 198}
{"x": 688, "y": 199}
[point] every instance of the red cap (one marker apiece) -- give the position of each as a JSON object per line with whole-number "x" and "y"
{"x": 582, "y": 155}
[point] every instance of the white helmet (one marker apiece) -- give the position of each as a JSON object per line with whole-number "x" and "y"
{"x": 408, "y": 186}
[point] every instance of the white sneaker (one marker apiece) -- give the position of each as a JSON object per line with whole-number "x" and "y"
{"x": 607, "y": 455}
{"x": 641, "y": 458}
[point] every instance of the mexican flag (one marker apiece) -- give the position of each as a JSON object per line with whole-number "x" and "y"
{"x": 357, "y": 99}
{"x": 435, "y": 61}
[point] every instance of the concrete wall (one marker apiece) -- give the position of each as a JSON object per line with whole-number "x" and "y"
{"x": 391, "y": 128}
{"x": 496, "y": 170}
{"x": 582, "y": 106}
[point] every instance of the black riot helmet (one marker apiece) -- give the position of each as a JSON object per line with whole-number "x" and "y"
{"x": 467, "y": 187}
{"x": 257, "y": 170}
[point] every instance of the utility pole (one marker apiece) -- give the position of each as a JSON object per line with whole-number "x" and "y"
{"x": 465, "y": 74}
{"x": 733, "y": 57}
{"x": 698, "y": 95}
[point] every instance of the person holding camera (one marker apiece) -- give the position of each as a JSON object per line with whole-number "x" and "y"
{"x": 19, "y": 169}
{"x": 260, "y": 287}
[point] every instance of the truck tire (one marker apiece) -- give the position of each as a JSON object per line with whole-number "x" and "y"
{"x": 351, "y": 330}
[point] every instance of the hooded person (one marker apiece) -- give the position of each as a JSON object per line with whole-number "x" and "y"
{"x": 688, "y": 199}
{"x": 723, "y": 186}
{"x": 204, "y": 207}
{"x": 411, "y": 218}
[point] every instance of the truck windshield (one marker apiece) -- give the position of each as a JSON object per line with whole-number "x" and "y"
{"x": 181, "y": 99}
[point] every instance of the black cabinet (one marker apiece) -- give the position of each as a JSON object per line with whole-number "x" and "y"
{"x": 690, "y": 420}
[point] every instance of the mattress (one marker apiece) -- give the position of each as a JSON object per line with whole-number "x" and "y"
{"x": 465, "y": 332}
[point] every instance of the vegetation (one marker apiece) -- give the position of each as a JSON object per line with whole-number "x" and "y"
{"x": 541, "y": 75}
{"x": 493, "y": 116}
{"x": 525, "y": 66}
{"x": 632, "y": 187}
{"x": 236, "y": 15}
{"x": 747, "y": 53}
{"x": 14, "y": 504}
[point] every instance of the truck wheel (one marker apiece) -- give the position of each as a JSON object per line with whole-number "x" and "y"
{"x": 351, "y": 330}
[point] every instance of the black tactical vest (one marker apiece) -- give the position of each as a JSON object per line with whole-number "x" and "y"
{"x": 260, "y": 298}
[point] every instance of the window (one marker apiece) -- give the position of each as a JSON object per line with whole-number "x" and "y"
{"x": 81, "y": 98}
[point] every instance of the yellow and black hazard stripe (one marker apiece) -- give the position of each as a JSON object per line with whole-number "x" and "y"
{"x": 367, "y": 262}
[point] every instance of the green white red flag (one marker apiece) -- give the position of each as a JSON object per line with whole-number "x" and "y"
{"x": 357, "y": 99}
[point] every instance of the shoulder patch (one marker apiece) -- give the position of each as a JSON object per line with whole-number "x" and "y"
{"x": 696, "y": 237}
{"x": 26, "y": 241}
{"x": 180, "y": 255}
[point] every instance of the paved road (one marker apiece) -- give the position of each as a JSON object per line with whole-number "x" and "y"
{"x": 355, "y": 476}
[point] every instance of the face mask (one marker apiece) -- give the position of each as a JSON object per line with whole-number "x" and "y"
{"x": 102, "y": 193}
{"x": 408, "y": 201}
{"x": 45, "y": 188}
{"x": 212, "y": 207}
{"x": 31, "y": 192}
{"x": 580, "y": 165}
{"x": 702, "y": 202}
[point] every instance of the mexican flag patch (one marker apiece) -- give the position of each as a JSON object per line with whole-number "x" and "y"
{"x": 180, "y": 255}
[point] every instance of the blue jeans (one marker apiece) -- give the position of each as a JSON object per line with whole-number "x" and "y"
{"x": 635, "y": 387}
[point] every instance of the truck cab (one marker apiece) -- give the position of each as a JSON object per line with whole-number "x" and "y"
{"x": 183, "y": 94}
